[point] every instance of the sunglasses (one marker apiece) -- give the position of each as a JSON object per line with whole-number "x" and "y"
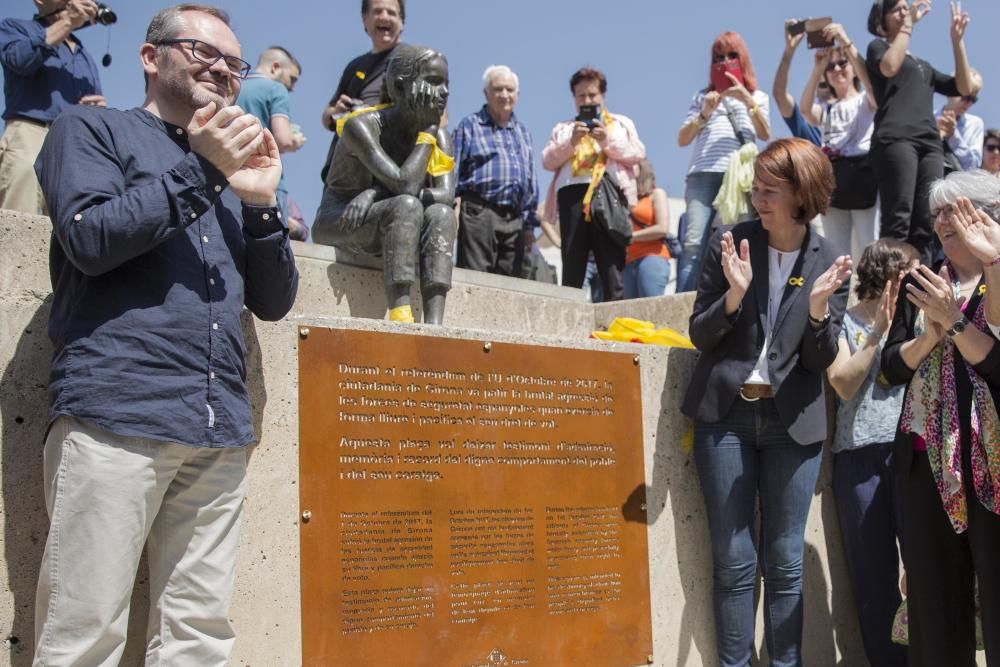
{"x": 992, "y": 148}
{"x": 723, "y": 57}
{"x": 207, "y": 54}
{"x": 838, "y": 64}
{"x": 971, "y": 99}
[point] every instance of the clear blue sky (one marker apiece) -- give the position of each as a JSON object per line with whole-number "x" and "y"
{"x": 654, "y": 52}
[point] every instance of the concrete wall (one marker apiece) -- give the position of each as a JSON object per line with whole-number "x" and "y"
{"x": 266, "y": 608}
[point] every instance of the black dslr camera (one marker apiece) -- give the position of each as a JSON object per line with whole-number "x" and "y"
{"x": 105, "y": 15}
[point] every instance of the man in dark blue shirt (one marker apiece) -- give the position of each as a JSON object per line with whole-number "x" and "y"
{"x": 165, "y": 227}
{"x": 46, "y": 70}
{"x": 496, "y": 180}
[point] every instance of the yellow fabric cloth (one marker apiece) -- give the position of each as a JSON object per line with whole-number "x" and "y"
{"x": 585, "y": 152}
{"x": 401, "y": 314}
{"x": 731, "y": 202}
{"x": 631, "y": 330}
{"x": 439, "y": 163}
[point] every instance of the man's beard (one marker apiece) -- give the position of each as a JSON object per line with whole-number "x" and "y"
{"x": 189, "y": 93}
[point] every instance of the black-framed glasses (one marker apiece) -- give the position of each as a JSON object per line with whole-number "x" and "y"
{"x": 970, "y": 99}
{"x": 838, "y": 64}
{"x": 992, "y": 148}
{"x": 205, "y": 53}
{"x": 723, "y": 57}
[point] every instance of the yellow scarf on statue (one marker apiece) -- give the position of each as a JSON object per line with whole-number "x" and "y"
{"x": 439, "y": 163}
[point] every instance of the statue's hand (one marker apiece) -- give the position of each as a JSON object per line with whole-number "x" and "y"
{"x": 355, "y": 212}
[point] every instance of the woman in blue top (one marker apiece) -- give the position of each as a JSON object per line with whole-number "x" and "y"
{"x": 867, "y": 412}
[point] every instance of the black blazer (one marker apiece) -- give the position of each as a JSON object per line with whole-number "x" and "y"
{"x": 730, "y": 346}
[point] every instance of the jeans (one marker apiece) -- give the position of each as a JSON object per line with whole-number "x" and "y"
{"x": 870, "y": 512}
{"x": 702, "y": 187}
{"x": 646, "y": 276}
{"x": 749, "y": 457}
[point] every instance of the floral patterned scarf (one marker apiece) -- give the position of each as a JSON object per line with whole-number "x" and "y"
{"x": 931, "y": 410}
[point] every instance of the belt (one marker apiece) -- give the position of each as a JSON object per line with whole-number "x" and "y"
{"x": 505, "y": 211}
{"x": 755, "y": 392}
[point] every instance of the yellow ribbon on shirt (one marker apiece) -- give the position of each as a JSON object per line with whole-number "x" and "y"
{"x": 439, "y": 163}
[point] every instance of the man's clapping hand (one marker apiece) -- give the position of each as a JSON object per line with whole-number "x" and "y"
{"x": 225, "y": 137}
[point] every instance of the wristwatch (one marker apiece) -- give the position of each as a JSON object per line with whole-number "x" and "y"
{"x": 958, "y": 327}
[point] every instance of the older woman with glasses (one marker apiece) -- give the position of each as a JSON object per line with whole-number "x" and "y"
{"x": 906, "y": 147}
{"x": 942, "y": 345}
{"x": 728, "y": 113}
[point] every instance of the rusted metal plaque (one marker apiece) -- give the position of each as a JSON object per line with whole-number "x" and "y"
{"x": 462, "y": 504}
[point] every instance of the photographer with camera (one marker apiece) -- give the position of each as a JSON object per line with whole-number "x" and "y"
{"x": 582, "y": 152}
{"x": 46, "y": 70}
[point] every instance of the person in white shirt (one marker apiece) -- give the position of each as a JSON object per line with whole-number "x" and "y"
{"x": 846, "y": 123}
{"x": 961, "y": 131}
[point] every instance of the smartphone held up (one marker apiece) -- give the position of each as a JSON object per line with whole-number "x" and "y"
{"x": 813, "y": 28}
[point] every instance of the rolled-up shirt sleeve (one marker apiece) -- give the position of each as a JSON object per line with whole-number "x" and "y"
{"x": 23, "y": 48}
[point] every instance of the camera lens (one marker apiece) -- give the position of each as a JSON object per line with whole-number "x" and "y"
{"x": 105, "y": 15}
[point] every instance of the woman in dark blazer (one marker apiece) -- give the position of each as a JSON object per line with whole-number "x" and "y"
{"x": 942, "y": 345}
{"x": 766, "y": 319}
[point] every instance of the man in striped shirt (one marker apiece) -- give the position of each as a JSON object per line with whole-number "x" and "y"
{"x": 497, "y": 190}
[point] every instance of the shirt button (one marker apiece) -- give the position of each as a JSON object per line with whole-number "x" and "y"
{"x": 772, "y": 356}
{"x": 215, "y": 326}
{"x": 211, "y": 375}
{"x": 179, "y": 131}
{"x": 218, "y": 188}
{"x": 204, "y": 239}
{"x": 211, "y": 281}
{"x": 193, "y": 215}
{"x": 78, "y": 217}
{"x": 266, "y": 216}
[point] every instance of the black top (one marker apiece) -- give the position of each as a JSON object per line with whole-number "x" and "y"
{"x": 152, "y": 260}
{"x": 730, "y": 345}
{"x": 906, "y": 101}
{"x": 361, "y": 80}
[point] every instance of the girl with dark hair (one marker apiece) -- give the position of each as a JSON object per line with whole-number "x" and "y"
{"x": 863, "y": 482}
{"x": 766, "y": 321}
{"x": 846, "y": 125}
{"x": 906, "y": 147}
{"x": 728, "y": 113}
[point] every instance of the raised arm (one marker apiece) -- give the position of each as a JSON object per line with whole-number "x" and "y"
{"x": 811, "y": 111}
{"x": 785, "y": 102}
{"x": 892, "y": 59}
{"x": 697, "y": 116}
{"x": 963, "y": 73}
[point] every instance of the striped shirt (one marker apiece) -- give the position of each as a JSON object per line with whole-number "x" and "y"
{"x": 497, "y": 163}
{"x": 716, "y": 140}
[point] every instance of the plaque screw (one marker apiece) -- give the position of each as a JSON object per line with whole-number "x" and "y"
{"x": 304, "y": 332}
{"x": 643, "y": 506}
{"x": 306, "y": 515}
{"x": 487, "y": 347}
{"x": 635, "y": 359}
{"x": 649, "y": 659}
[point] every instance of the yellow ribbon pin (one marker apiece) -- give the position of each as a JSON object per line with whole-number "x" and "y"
{"x": 361, "y": 75}
{"x": 982, "y": 290}
{"x": 797, "y": 282}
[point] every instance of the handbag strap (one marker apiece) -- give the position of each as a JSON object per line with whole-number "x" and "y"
{"x": 595, "y": 178}
{"x": 731, "y": 115}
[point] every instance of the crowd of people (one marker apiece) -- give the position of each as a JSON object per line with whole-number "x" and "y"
{"x": 877, "y": 189}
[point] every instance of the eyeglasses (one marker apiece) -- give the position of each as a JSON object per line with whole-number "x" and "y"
{"x": 947, "y": 210}
{"x": 971, "y": 99}
{"x": 838, "y": 64}
{"x": 205, "y": 53}
{"x": 723, "y": 57}
{"x": 992, "y": 148}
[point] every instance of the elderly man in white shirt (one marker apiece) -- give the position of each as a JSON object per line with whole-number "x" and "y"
{"x": 961, "y": 131}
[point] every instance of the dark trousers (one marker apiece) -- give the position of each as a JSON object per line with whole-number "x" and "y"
{"x": 941, "y": 567}
{"x": 905, "y": 171}
{"x": 490, "y": 239}
{"x": 579, "y": 238}
{"x": 870, "y": 519}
